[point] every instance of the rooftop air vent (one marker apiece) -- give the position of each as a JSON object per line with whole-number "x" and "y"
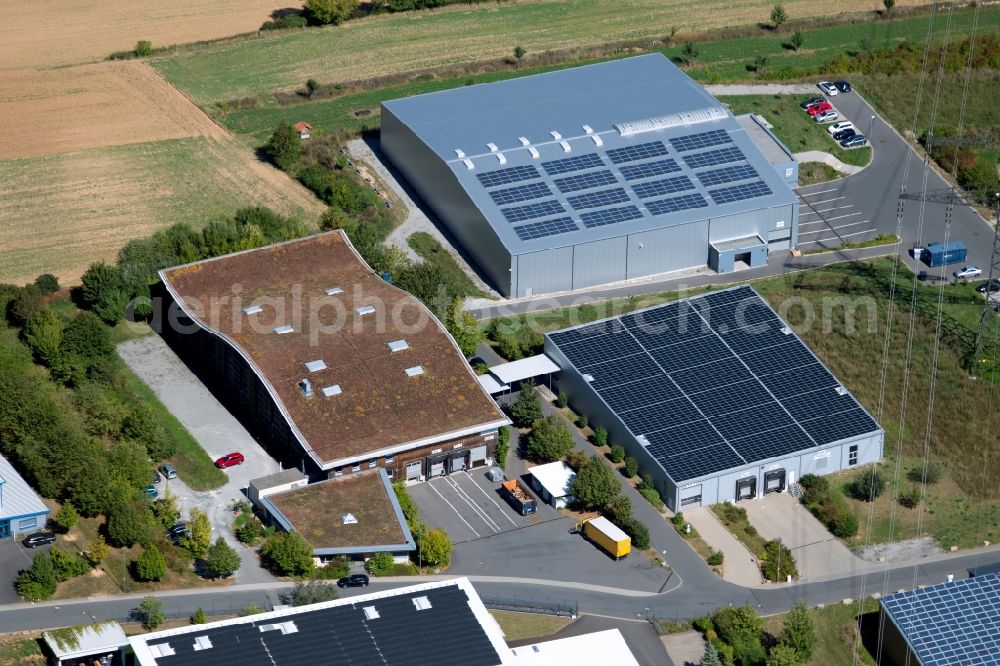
{"x": 315, "y": 366}
{"x": 202, "y": 643}
{"x": 253, "y": 309}
{"x": 671, "y": 120}
{"x": 371, "y": 613}
{"x": 786, "y": 330}
{"x": 460, "y": 153}
{"x": 533, "y": 151}
{"x": 333, "y": 291}
{"x": 414, "y": 371}
{"x": 841, "y": 390}
{"x": 307, "y": 388}
{"x": 398, "y": 345}
{"x": 524, "y": 140}
{"x": 556, "y": 135}
{"x": 348, "y": 519}
{"x": 588, "y": 129}
{"x": 162, "y": 650}
{"x": 330, "y": 391}
{"x": 287, "y": 627}
{"x": 598, "y": 141}
{"x": 493, "y": 147}
{"x": 588, "y": 378}
{"x": 642, "y": 440}
{"x": 365, "y": 309}
{"x": 422, "y": 603}
{"x": 468, "y": 164}
{"x": 282, "y": 330}
{"x": 501, "y": 158}
{"x": 565, "y": 146}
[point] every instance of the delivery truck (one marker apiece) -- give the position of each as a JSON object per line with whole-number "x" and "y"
{"x": 942, "y": 254}
{"x": 516, "y": 493}
{"x": 608, "y": 536}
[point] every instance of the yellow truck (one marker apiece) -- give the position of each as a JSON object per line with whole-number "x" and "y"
{"x": 608, "y": 536}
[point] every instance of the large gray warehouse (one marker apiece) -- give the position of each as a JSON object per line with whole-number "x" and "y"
{"x": 715, "y": 396}
{"x": 596, "y": 174}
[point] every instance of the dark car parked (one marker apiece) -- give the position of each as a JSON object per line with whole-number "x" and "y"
{"x": 812, "y": 100}
{"x": 843, "y": 86}
{"x": 855, "y": 141}
{"x": 844, "y": 134}
{"x": 988, "y": 285}
{"x": 177, "y": 532}
{"x": 354, "y": 580}
{"x": 39, "y": 539}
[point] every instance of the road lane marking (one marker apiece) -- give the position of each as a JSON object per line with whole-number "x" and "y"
{"x": 431, "y": 484}
{"x": 491, "y": 499}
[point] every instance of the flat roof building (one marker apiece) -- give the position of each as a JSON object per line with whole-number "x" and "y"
{"x": 554, "y": 481}
{"x": 21, "y": 510}
{"x": 596, "y": 174}
{"x": 715, "y": 396}
{"x": 100, "y": 643}
{"x": 330, "y": 365}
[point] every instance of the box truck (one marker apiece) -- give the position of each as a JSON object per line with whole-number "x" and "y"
{"x": 516, "y": 493}
{"x": 608, "y": 536}
{"x": 942, "y": 254}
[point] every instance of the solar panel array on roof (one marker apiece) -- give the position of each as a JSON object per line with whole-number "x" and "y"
{"x": 740, "y": 192}
{"x": 951, "y": 624}
{"x": 727, "y": 174}
{"x": 520, "y": 193}
{"x": 702, "y": 140}
{"x": 585, "y": 181}
{"x": 577, "y": 163}
{"x": 649, "y": 169}
{"x": 560, "y": 225}
{"x": 657, "y": 188}
{"x": 397, "y": 633}
{"x": 599, "y": 198}
{"x": 674, "y": 204}
{"x": 714, "y": 157}
{"x": 597, "y": 218}
{"x": 508, "y": 175}
{"x": 639, "y": 152}
{"x": 530, "y": 211}
{"x": 714, "y": 382}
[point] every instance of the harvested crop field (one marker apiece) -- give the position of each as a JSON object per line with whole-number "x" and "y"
{"x": 36, "y": 35}
{"x": 60, "y": 212}
{"x": 394, "y": 43}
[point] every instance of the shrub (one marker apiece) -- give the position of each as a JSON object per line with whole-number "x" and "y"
{"x": 335, "y": 569}
{"x": 595, "y": 485}
{"x": 143, "y": 48}
{"x": 910, "y": 497}
{"x": 39, "y": 581}
{"x": 582, "y": 421}
{"x": 526, "y": 409}
{"x": 128, "y": 523}
{"x": 549, "y": 439}
{"x": 311, "y": 592}
{"x": 463, "y": 327}
{"x": 98, "y": 551}
{"x": 221, "y": 559}
{"x": 251, "y": 609}
{"x": 867, "y": 485}
{"x": 503, "y": 447}
{"x": 285, "y": 22}
{"x": 716, "y": 558}
{"x": 799, "y": 632}
{"x": 65, "y": 518}
{"x": 379, "y": 564}
{"x": 678, "y": 519}
{"x": 150, "y": 613}
{"x": 288, "y": 554}
{"x": 617, "y": 453}
{"x": 199, "y": 533}
{"x": 199, "y": 617}
{"x": 510, "y": 348}
{"x": 631, "y": 468}
{"x": 284, "y": 147}
{"x": 47, "y": 283}
{"x": 67, "y": 565}
{"x": 435, "y": 547}
{"x": 619, "y": 509}
{"x": 796, "y": 40}
{"x": 562, "y": 400}
{"x": 331, "y": 11}
{"x": 27, "y": 303}
{"x": 250, "y": 531}
{"x": 150, "y": 565}
{"x": 776, "y": 562}
{"x": 931, "y": 474}
{"x": 778, "y": 15}
{"x": 638, "y": 532}
{"x": 652, "y": 496}
{"x": 576, "y": 460}
{"x": 600, "y": 436}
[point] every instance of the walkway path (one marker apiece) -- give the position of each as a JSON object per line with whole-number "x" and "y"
{"x": 829, "y": 160}
{"x": 762, "y": 89}
{"x": 739, "y": 566}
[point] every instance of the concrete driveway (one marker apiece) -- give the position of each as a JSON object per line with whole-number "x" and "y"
{"x": 817, "y": 553}
{"x": 218, "y": 432}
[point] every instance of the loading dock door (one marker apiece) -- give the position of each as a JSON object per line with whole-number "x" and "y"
{"x": 691, "y": 496}
{"x": 437, "y": 467}
{"x": 458, "y": 461}
{"x": 746, "y": 488}
{"x": 477, "y": 456}
{"x": 774, "y": 482}
{"x": 413, "y": 470}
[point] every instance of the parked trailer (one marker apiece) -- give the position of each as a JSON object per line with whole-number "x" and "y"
{"x": 608, "y": 536}
{"x": 517, "y": 494}
{"x": 942, "y": 254}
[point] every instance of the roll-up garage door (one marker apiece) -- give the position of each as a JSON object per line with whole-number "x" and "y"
{"x": 477, "y": 456}
{"x": 413, "y": 470}
{"x": 437, "y": 468}
{"x": 746, "y": 488}
{"x": 458, "y": 461}
{"x": 691, "y": 496}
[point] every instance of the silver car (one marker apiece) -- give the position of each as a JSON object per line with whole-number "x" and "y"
{"x": 827, "y": 88}
{"x": 168, "y": 471}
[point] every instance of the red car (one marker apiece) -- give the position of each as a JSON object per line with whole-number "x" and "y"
{"x": 230, "y": 459}
{"x": 819, "y": 108}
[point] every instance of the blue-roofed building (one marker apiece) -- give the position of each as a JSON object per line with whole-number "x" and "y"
{"x": 596, "y": 174}
{"x": 956, "y": 623}
{"x": 21, "y": 510}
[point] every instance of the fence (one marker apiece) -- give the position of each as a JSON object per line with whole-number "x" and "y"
{"x": 540, "y": 607}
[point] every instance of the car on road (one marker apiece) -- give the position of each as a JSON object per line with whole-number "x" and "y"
{"x": 826, "y": 116}
{"x": 988, "y": 285}
{"x": 840, "y": 127}
{"x": 966, "y": 272}
{"x": 819, "y": 108}
{"x": 168, "y": 471}
{"x": 855, "y": 141}
{"x": 843, "y": 86}
{"x": 39, "y": 539}
{"x": 827, "y": 88}
{"x": 811, "y": 101}
{"x": 151, "y": 491}
{"x": 230, "y": 459}
{"x": 354, "y": 580}
{"x": 844, "y": 134}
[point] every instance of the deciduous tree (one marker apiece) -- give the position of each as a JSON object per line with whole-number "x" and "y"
{"x": 150, "y": 613}
{"x": 595, "y": 485}
{"x": 222, "y": 560}
{"x": 331, "y": 11}
{"x": 435, "y": 547}
{"x": 150, "y": 565}
{"x": 284, "y": 147}
{"x": 526, "y": 409}
{"x": 463, "y": 327}
{"x": 200, "y": 533}
{"x": 549, "y": 439}
{"x": 799, "y": 632}
{"x": 288, "y": 554}
{"x": 43, "y": 334}
{"x": 778, "y": 15}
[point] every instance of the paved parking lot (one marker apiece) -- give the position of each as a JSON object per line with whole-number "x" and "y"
{"x": 14, "y": 557}
{"x": 830, "y": 217}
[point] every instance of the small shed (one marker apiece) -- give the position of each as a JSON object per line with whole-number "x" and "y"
{"x": 102, "y": 643}
{"x": 553, "y": 482}
{"x": 303, "y": 128}
{"x": 288, "y": 479}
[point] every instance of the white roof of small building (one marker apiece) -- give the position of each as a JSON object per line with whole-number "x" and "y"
{"x": 16, "y": 496}
{"x": 492, "y": 386}
{"x": 555, "y": 477}
{"x": 526, "y": 368}
{"x": 85, "y": 640}
{"x": 596, "y": 649}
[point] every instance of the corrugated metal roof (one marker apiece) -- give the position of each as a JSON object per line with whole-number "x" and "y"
{"x": 86, "y": 640}
{"x": 16, "y": 496}
{"x": 617, "y": 104}
{"x": 524, "y": 368}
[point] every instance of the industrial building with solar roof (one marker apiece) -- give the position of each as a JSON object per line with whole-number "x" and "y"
{"x": 715, "y": 396}
{"x": 594, "y": 175}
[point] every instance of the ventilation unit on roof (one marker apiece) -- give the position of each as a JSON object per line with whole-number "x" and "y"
{"x": 287, "y": 627}
{"x": 414, "y": 371}
{"x": 671, "y": 120}
{"x": 786, "y": 330}
{"x": 371, "y": 613}
{"x": 315, "y": 366}
{"x": 841, "y": 390}
{"x": 556, "y": 135}
{"x": 161, "y": 650}
{"x": 332, "y": 291}
{"x": 524, "y": 140}
{"x": 398, "y": 345}
{"x": 565, "y": 146}
{"x": 493, "y": 147}
{"x": 348, "y": 519}
{"x": 307, "y": 388}
{"x": 422, "y": 603}
{"x": 598, "y": 141}
{"x": 469, "y": 165}
{"x": 202, "y": 643}
{"x": 282, "y": 330}
{"x": 533, "y": 151}
{"x": 588, "y": 378}
{"x": 460, "y": 153}
{"x": 253, "y": 309}
{"x": 501, "y": 158}
{"x": 330, "y": 391}
{"x": 588, "y": 129}
{"x": 365, "y": 309}
{"x": 642, "y": 440}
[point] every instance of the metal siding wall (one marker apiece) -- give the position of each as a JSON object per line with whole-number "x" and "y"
{"x": 599, "y": 262}
{"x": 545, "y": 271}
{"x": 668, "y": 249}
{"x": 434, "y": 181}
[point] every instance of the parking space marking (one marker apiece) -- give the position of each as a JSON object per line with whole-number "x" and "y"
{"x": 823, "y": 240}
{"x": 837, "y": 228}
{"x": 478, "y": 510}
{"x": 827, "y": 210}
{"x": 816, "y": 203}
{"x": 492, "y": 500}
{"x": 431, "y": 484}
{"x": 810, "y": 194}
{"x": 822, "y": 221}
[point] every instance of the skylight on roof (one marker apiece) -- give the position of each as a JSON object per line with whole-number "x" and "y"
{"x": 315, "y": 366}
{"x": 565, "y": 146}
{"x": 422, "y": 603}
{"x": 287, "y": 627}
{"x": 330, "y": 391}
{"x": 162, "y": 650}
{"x": 556, "y": 135}
{"x": 524, "y": 140}
{"x": 598, "y": 141}
{"x": 468, "y": 164}
{"x": 365, "y": 309}
{"x": 533, "y": 151}
{"x": 371, "y": 613}
{"x": 460, "y": 153}
{"x": 252, "y": 309}
{"x": 670, "y": 120}
{"x": 501, "y": 158}
{"x": 202, "y": 643}
{"x": 588, "y": 129}
{"x": 349, "y": 519}
{"x": 398, "y": 345}
{"x": 333, "y": 290}
{"x": 282, "y": 330}
{"x": 307, "y": 388}
{"x": 414, "y": 371}
{"x": 493, "y": 147}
